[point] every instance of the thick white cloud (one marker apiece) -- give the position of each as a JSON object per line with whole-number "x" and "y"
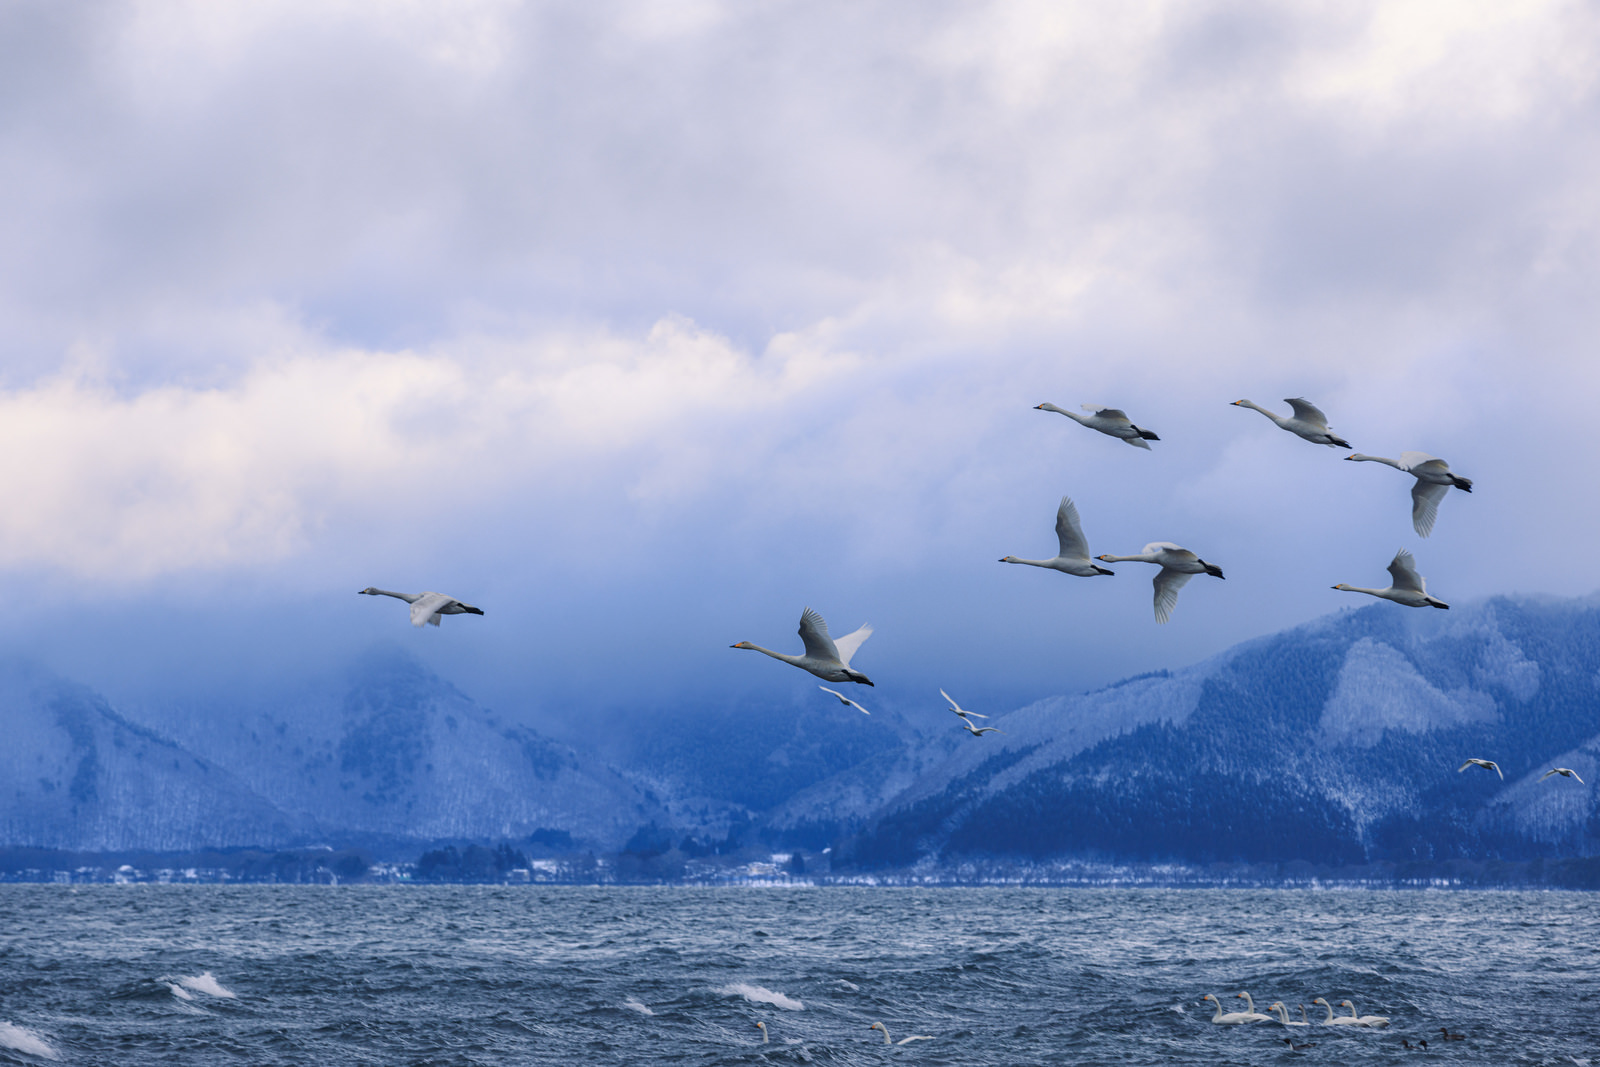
{"x": 728, "y": 305}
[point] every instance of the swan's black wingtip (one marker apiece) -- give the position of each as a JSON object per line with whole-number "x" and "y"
{"x": 1102, "y": 570}
{"x": 1148, "y": 436}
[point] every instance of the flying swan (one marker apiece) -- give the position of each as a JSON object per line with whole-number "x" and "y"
{"x": 1486, "y": 764}
{"x": 845, "y": 700}
{"x": 426, "y": 607}
{"x": 1177, "y": 565}
{"x": 903, "y": 1040}
{"x": 1565, "y": 772}
{"x": 1407, "y": 586}
{"x": 1073, "y": 557}
{"x": 826, "y": 658}
{"x": 979, "y": 731}
{"x": 1109, "y": 421}
{"x": 1308, "y": 421}
{"x": 1433, "y": 482}
{"x": 962, "y": 713}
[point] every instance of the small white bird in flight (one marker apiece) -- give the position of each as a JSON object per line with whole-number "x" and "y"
{"x": 824, "y": 657}
{"x": 1308, "y": 421}
{"x": 961, "y": 712}
{"x": 1177, "y": 565}
{"x": 979, "y": 731}
{"x": 844, "y": 699}
{"x": 1109, "y": 421}
{"x": 1073, "y": 556}
{"x": 426, "y": 607}
{"x": 1565, "y": 772}
{"x": 1433, "y": 482}
{"x": 1486, "y": 764}
{"x": 1408, "y": 587}
{"x": 903, "y": 1040}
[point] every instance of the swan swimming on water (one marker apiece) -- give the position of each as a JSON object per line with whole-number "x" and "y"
{"x": 426, "y": 607}
{"x": 1308, "y": 421}
{"x": 1222, "y": 1018}
{"x": 1565, "y": 772}
{"x": 766, "y": 1039}
{"x": 1177, "y": 565}
{"x": 845, "y": 700}
{"x": 824, "y": 657}
{"x": 1433, "y": 482}
{"x": 1073, "y": 556}
{"x": 1486, "y": 764}
{"x": 903, "y": 1040}
{"x": 1341, "y": 1020}
{"x": 1282, "y": 1012}
{"x": 1250, "y": 1009}
{"x": 1109, "y": 421}
{"x": 1406, "y": 585}
{"x": 1375, "y": 1021}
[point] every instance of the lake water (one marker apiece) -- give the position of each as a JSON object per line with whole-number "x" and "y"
{"x": 150, "y": 974}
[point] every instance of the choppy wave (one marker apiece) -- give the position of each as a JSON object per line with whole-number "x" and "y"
{"x": 637, "y": 1005}
{"x": 30, "y": 1042}
{"x": 205, "y": 983}
{"x": 762, "y": 995}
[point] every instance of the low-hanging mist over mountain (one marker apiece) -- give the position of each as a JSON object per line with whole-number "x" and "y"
{"x": 1335, "y": 742}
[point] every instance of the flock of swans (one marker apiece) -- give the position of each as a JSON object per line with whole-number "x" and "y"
{"x": 1280, "y": 1014}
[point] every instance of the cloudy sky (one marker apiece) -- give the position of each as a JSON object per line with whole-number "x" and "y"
{"x": 644, "y": 325}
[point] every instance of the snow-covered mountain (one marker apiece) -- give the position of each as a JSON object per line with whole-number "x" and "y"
{"x": 1337, "y": 741}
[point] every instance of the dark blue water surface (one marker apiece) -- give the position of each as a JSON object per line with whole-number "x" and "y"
{"x": 489, "y": 975}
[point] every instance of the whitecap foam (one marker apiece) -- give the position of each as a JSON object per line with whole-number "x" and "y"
{"x": 204, "y": 983}
{"x": 762, "y": 995}
{"x": 21, "y": 1039}
{"x": 180, "y": 992}
{"x": 637, "y": 1005}
{"x": 850, "y": 986}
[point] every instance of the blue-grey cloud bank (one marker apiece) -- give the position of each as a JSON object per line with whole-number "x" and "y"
{"x": 644, "y": 327}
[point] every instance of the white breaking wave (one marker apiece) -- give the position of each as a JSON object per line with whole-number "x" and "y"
{"x": 637, "y": 1005}
{"x": 204, "y": 983}
{"x": 850, "y": 986}
{"x": 762, "y": 995}
{"x": 21, "y": 1039}
{"x": 180, "y": 992}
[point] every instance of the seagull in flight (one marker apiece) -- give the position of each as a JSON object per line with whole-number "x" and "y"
{"x": 844, "y": 699}
{"x": 1486, "y": 764}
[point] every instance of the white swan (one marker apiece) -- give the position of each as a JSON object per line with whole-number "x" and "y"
{"x": 1341, "y": 1020}
{"x": 1250, "y": 1009}
{"x": 903, "y": 1040}
{"x": 1073, "y": 557}
{"x": 961, "y": 712}
{"x": 1177, "y": 565}
{"x": 766, "y": 1039}
{"x": 1222, "y": 1018}
{"x": 1109, "y": 421}
{"x": 979, "y": 731}
{"x": 1277, "y": 1007}
{"x": 1406, "y": 585}
{"x": 1486, "y": 764}
{"x": 1377, "y": 1022}
{"x": 1308, "y": 421}
{"x": 1433, "y": 482}
{"x": 1565, "y": 772}
{"x": 426, "y": 607}
{"x": 1304, "y": 1019}
{"x": 845, "y": 700}
{"x": 826, "y": 658}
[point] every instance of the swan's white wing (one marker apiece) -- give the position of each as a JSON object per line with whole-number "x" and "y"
{"x": 1403, "y": 571}
{"x": 1069, "y": 531}
{"x": 1546, "y": 775}
{"x": 1306, "y": 411}
{"x": 425, "y": 609}
{"x": 1425, "y": 497}
{"x": 957, "y": 708}
{"x": 1105, "y": 412}
{"x": 848, "y": 644}
{"x": 1177, "y": 553}
{"x": 814, "y": 632}
{"x": 1167, "y": 584}
{"x": 1412, "y": 460}
{"x": 844, "y": 699}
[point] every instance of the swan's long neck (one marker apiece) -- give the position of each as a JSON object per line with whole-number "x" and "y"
{"x": 1282, "y": 1013}
{"x": 775, "y": 655}
{"x": 1325, "y": 1004}
{"x": 1218, "y": 1016}
{"x": 1359, "y": 589}
{"x": 1073, "y": 415}
{"x": 1029, "y": 562}
{"x": 1253, "y": 406}
{"x": 885, "y": 1030}
{"x": 1249, "y": 1002}
{"x": 409, "y": 598}
{"x": 1142, "y": 558}
{"x": 1360, "y": 458}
